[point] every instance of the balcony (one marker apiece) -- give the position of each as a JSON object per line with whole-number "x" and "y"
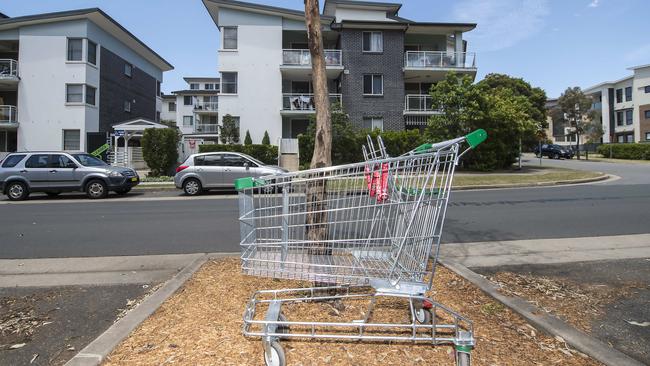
{"x": 304, "y": 103}
{"x": 8, "y": 116}
{"x": 297, "y": 63}
{"x": 206, "y": 107}
{"x": 211, "y": 128}
{"x": 432, "y": 66}
{"x": 8, "y": 73}
{"x": 418, "y": 104}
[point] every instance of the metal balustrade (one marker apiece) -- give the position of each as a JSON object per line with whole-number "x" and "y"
{"x": 304, "y": 102}
{"x": 439, "y": 59}
{"x": 8, "y": 114}
{"x": 303, "y": 58}
{"x": 8, "y": 69}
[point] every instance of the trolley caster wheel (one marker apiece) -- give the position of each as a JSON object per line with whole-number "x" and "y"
{"x": 423, "y": 316}
{"x": 274, "y": 354}
{"x": 463, "y": 359}
{"x": 284, "y": 329}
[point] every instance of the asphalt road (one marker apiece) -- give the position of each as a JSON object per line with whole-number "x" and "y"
{"x": 167, "y": 223}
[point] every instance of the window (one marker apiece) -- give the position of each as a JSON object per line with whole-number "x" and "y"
{"x": 209, "y": 86}
{"x": 628, "y": 94}
{"x": 619, "y": 95}
{"x": 37, "y": 161}
{"x": 71, "y": 140}
{"x": 372, "y": 123}
{"x": 61, "y": 162}
{"x": 90, "y": 95}
{"x": 172, "y": 107}
{"x": 373, "y": 42}
{"x": 229, "y": 38}
{"x": 628, "y": 117}
{"x": 75, "y": 49}
{"x": 629, "y": 138}
{"x": 647, "y": 136}
{"x": 229, "y": 82}
{"x": 187, "y": 100}
{"x": 194, "y": 86}
{"x": 646, "y": 114}
{"x": 620, "y": 139}
{"x": 234, "y": 160}
{"x": 188, "y": 121}
{"x": 12, "y": 160}
{"x": 74, "y": 93}
{"x": 647, "y": 89}
{"x": 127, "y": 106}
{"x": 128, "y": 70}
{"x": 92, "y": 52}
{"x": 158, "y": 88}
{"x": 619, "y": 118}
{"x": 373, "y": 84}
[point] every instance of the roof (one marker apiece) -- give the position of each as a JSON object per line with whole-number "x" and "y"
{"x": 196, "y": 92}
{"x": 213, "y": 6}
{"x": 101, "y": 19}
{"x": 594, "y": 89}
{"x": 3, "y": 15}
{"x": 331, "y": 5}
{"x": 638, "y": 67}
{"x": 137, "y": 124}
{"x": 168, "y": 96}
{"x": 199, "y": 78}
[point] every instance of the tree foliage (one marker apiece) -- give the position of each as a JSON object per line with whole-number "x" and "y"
{"x": 501, "y": 106}
{"x": 576, "y": 108}
{"x": 266, "y": 140}
{"x": 248, "y": 140}
{"x": 160, "y": 149}
{"x": 229, "y": 130}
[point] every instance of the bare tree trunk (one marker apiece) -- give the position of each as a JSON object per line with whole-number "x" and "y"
{"x": 316, "y": 219}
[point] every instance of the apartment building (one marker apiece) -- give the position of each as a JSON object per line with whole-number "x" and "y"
{"x": 624, "y": 106}
{"x": 380, "y": 66}
{"x": 66, "y": 78}
{"x": 195, "y": 111}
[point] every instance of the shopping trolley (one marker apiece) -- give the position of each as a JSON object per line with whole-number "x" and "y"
{"x": 365, "y": 233}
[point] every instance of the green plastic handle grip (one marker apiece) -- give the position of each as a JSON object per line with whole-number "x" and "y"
{"x": 476, "y": 138}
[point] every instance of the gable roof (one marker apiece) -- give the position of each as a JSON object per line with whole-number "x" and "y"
{"x": 101, "y": 19}
{"x": 213, "y": 8}
{"x": 138, "y": 124}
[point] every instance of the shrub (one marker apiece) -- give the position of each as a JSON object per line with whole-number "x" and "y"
{"x": 229, "y": 130}
{"x": 268, "y": 154}
{"x": 266, "y": 140}
{"x": 160, "y": 150}
{"x": 248, "y": 140}
{"x": 625, "y": 151}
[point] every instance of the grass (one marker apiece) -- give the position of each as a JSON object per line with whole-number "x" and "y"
{"x": 601, "y": 158}
{"x": 539, "y": 176}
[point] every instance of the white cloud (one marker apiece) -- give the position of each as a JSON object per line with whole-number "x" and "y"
{"x": 501, "y": 23}
{"x": 594, "y": 3}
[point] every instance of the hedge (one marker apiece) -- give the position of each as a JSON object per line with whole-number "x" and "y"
{"x": 268, "y": 154}
{"x": 625, "y": 151}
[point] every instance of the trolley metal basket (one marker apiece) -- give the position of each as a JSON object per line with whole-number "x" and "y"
{"x": 370, "y": 231}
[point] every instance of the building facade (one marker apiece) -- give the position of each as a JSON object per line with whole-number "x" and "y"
{"x": 624, "y": 106}
{"x": 380, "y": 66}
{"x": 66, "y": 78}
{"x": 194, "y": 110}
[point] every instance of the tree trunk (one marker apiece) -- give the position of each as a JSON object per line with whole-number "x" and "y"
{"x": 578, "y": 146}
{"x": 316, "y": 220}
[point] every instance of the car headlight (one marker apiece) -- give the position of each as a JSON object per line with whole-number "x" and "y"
{"x": 114, "y": 174}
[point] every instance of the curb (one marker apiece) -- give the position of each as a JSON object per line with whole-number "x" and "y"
{"x": 95, "y": 352}
{"x": 549, "y": 324}
{"x": 539, "y": 184}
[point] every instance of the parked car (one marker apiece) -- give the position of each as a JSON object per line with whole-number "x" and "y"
{"x": 553, "y": 151}
{"x": 200, "y": 172}
{"x": 23, "y": 173}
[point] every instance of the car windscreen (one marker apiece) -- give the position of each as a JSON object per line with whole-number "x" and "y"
{"x": 88, "y": 160}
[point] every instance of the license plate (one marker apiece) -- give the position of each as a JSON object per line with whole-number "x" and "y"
{"x": 134, "y": 179}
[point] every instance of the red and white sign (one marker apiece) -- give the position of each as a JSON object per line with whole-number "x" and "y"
{"x": 191, "y": 143}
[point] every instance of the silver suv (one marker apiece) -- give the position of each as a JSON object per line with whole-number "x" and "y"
{"x": 218, "y": 170}
{"x": 55, "y": 172}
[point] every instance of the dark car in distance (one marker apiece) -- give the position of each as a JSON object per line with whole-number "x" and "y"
{"x": 553, "y": 151}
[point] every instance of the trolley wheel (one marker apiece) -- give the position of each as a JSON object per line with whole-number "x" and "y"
{"x": 275, "y": 354}
{"x": 463, "y": 358}
{"x": 422, "y": 315}
{"x": 284, "y": 329}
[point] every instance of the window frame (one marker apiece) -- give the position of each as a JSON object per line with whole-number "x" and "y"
{"x": 628, "y": 89}
{"x": 372, "y": 122}
{"x": 20, "y": 158}
{"x": 185, "y": 99}
{"x": 208, "y": 86}
{"x": 81, "y": 94}
{"x": 47, "y": 162}
{"x": 223, "y": 82}
{"x": 620, "y": 117}
{"x": 224, "y": 39}
{"x": 195, "y": 86}
{"x": 646, "y": 114}
{"x": 128, "y": 66}
{"x": 94, "y": 95}
{"x": 127, "y": 106}
{"x": 646, "y": 89}
{"x": 191, "y": 124}
{"x": 169, "y": 107}
{"x": 363, "y": 42}
{"x": 68, "y": 51}
{"x": 619, "y": 95}
{"x": 88, "y": 42}
{"x": 630, "y": 113}
{"x": 372, "y": 85}
{"x": 63, "y": 135}
{"x": 647, "y": 136}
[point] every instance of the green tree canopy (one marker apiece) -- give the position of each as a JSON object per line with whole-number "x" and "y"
{"x": 576, "y": 109}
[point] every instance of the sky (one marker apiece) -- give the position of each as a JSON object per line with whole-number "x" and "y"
{"x": 553, "y": 44}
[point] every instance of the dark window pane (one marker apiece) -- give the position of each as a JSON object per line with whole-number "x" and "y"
{"x": 619, "y": 95}
{"x": 92, "y": 52}
{"x": 90, "y": 95}
{"x": 74, "y": 93}
{"x": 366, "y": 41}
{"x": 12, "y": 160}
{"x": 71, "y": 140}
{"x": 75, "y": 49}
{"x": 377, "y": 84}
{"x": 212, "y": 160}
{"x": 628, "y": 117}
{"x": 37, "y": 161}
{"x": 230, "y": 38}
{"x": 128, "y": 70}
{"x": 172, "y": 107}
{"x": 234, "y": 160}
{"x": 61, "y": 161}
{"x": 229, "y": 82}
{"x": 628, "y": 94}
{"x": 647, "y": 114}
{"x": 367, "y": 84}
{"x": 647, "y": 89}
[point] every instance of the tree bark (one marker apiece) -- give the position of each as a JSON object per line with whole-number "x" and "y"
{"x": 316, "y": 220}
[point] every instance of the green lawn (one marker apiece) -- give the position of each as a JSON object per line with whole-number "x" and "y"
{"x": 535, "y": 177}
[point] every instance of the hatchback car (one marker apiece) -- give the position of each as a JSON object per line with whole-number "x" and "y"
{"x": 216, "y": 170}
{"x": 55, "y": 172}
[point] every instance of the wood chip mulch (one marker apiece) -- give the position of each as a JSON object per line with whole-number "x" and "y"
{"x": 202, "y": 325}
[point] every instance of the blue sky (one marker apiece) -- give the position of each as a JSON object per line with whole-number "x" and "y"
{"x": 552, "y": 44}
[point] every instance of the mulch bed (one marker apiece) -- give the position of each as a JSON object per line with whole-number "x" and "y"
{"x": 202, "y": 325}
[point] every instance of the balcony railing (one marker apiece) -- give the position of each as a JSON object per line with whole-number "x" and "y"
{"x": 206, "y": 106}
{"x": 303, "y": 58}
{"x": 206, "y": 128}
{"x": 304, "y": 102}
{"x": 439, "y": 59}
{"x": 8, "y": 114}
{"x": 8, "y": 69}
{"x": 418, "y": 103}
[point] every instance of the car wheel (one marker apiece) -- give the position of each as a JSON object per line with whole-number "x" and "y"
{"x": 52, "y": 194}
{"x": 192, "y": 187}
{"x": 122, "y": 192}
{"x": 96, "y": 189}
{"x": 556, "y": 156}
{"x": 17, "y": 191}
{"x": 538, "y": 155}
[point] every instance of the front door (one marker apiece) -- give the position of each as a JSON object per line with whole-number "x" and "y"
{"x": 62, "y": 172}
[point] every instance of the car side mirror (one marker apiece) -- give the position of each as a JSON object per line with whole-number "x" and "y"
{"x": 247, "y": 166}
